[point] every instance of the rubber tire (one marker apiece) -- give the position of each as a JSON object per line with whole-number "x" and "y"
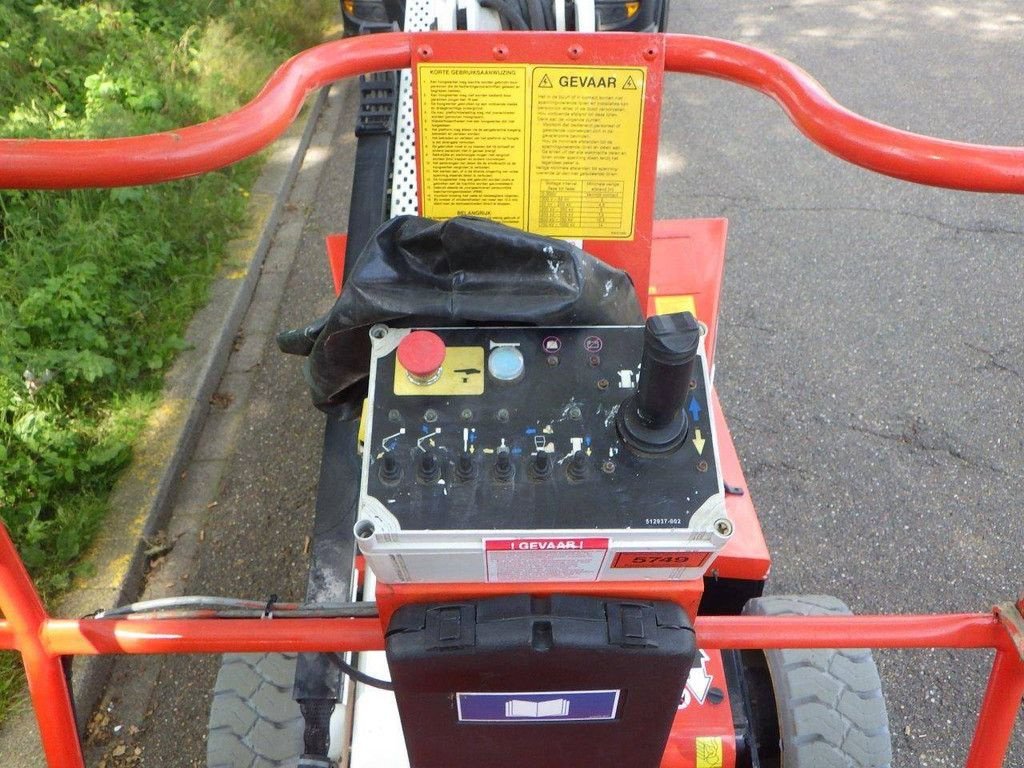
{"x": 254, "y": 722}
{"x": 831, "y": 710}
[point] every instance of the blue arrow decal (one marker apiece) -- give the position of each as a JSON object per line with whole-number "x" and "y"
{"x": 694, "y": 408}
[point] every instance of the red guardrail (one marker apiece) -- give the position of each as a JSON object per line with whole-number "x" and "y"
{"x": 62, "y": 164}
{"x": 66, "y": 164}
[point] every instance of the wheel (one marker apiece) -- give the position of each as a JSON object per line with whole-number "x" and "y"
{"x": 820, "y": 708}
{"x": 254, "y": 722}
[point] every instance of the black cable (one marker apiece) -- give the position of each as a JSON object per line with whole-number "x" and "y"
{"x": 507, "y": 12}
{"x": 536, "y": 10}
{"x": 361, "y": 677}
{"x": 549, "y": 14}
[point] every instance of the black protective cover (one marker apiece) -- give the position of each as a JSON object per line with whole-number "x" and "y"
{"x": 463, "y": 271}
{"x": 556, "y": 643}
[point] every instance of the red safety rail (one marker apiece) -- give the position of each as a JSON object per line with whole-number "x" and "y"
{"x": 74, "y": 163}
{"x": 60, "y": 164}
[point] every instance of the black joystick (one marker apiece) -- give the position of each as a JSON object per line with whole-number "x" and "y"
{"x": 652, "y": 420}
{"x": 389, "y": 471}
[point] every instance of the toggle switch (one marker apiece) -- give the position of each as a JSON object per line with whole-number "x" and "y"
{"x": 389, "y": 470}
{"x": 429, "y": 468}
{"x": 503, "y": 470}
{"x": 540, "y": 466}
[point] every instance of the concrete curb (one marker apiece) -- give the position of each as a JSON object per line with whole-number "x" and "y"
{"x": 143, "y": 497}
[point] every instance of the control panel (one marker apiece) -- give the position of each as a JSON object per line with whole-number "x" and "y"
{"x": 540, "y": 454}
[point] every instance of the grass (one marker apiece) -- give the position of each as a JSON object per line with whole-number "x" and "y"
{"x": 97, "y": 286}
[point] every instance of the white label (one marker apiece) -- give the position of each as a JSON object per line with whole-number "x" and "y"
{"x": 545, "y": 559}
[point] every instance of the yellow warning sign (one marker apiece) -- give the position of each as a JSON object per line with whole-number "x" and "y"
{"x": 551, "y": 149}
{"x": 473, "y": 141}
{"x": 709, "y": 752}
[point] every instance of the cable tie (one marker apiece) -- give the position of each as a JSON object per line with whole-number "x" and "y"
{"x": 268, "y": 611}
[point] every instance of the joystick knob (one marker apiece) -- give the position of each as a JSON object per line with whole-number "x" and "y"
{"x": 652, "y": 420}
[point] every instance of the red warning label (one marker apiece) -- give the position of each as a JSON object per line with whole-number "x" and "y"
{"x": 547, "y": 559}
{"x": 660, "y": 559}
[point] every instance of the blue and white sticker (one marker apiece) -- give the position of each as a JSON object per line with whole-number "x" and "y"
{"x": 537, "y": 707}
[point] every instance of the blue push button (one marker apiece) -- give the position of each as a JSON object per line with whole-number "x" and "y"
{"x": 506, "y": 364}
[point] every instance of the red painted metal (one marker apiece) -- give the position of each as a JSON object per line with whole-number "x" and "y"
{"x": 688, "y": 258}
{"x": 998, "y": 711}
{"x": 336, "y": 245}
{"x": 69, "y": 164}
{"x": 25, "y": 621}
{"x": 710, "y": 718}
{"x": 93, "y": 637}
{"x": 66, "y": 164}
{"x": 745, "y": 555}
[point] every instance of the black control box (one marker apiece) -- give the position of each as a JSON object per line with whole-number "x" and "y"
{"x": 519, "y": 431}
{"x": 545, "y": 682}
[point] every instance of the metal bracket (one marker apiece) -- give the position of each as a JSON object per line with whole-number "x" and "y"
{"x": 1011, "y": 616}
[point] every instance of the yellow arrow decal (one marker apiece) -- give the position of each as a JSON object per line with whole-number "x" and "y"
{"x": 698, "y": 442}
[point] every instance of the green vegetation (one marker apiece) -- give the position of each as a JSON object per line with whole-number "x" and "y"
{"x": 96, "y": 287}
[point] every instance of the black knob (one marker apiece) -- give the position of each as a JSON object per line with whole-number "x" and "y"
{"x": 540, "y": 467}
{"x": 429, "y": 469}
{"x": 503, "y": 470}
{"x": 389, "y": 471}
{"x": 465, "y": 467}
{"x": 576, "y": 469}
{"x": 652, "y": 420}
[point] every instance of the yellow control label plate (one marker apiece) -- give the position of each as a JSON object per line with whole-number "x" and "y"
{"x": 551, "y": 149}
{"x": 667, "y": 305}
{"x": 710, "y": 753}
{"x": 462, "y": 373}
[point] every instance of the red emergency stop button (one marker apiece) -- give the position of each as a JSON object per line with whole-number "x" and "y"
{"x": 421, "y": 353}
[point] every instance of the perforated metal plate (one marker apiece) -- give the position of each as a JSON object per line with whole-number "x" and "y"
{"x": 419, "y": 17}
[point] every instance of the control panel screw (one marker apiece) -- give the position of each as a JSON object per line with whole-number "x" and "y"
{"x": 702, "y": 466}
{"x": 466, "y": 414}
{"x": 595, "y": 360}
{"x": 575, "y": 413}
{"x": 602, "y": 384}
{"x": 552, "y": 360}
{"x": 608, "y": 467}
{"x": 502, "y": 415}
{"x": 430, "y": 415}
{"x": 723, "y": 527}
{"x": 394, "y": 416}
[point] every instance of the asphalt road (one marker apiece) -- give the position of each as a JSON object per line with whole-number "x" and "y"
{"x": 870, "y": 358}
{"x": 871, "y": 354}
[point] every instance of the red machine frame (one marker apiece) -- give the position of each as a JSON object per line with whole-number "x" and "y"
{"x": 61, "y": 164}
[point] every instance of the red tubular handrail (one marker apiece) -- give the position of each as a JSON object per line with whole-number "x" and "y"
{"x": 78, "y": 163}
{"x": 90, "y": 637}
{"x": 67, "y": 164}
{"x": 836, "y": 129}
